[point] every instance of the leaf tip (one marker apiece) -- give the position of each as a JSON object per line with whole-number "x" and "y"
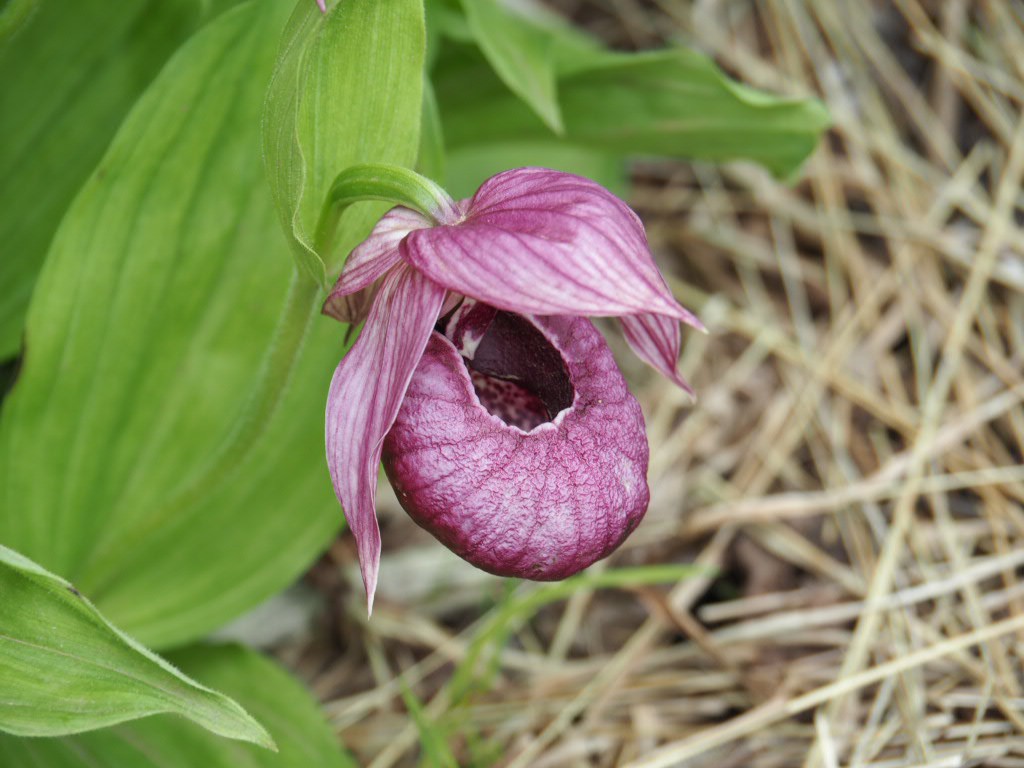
{"x": 265, "y": 740}
{"x": 552, "y": 117}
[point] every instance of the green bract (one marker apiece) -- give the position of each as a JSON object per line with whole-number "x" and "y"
{"x": 335, "y": 88}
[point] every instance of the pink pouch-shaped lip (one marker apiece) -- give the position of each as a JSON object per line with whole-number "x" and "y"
{"x": 542, "y": 503}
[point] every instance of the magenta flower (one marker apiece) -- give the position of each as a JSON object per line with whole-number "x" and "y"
{"x": 504, "y": 424}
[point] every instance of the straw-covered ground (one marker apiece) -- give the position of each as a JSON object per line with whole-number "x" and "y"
{"x": 849, "y": 486}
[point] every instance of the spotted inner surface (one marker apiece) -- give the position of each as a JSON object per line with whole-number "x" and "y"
{"x": 513, "y": 404}
{"x": 518, "y": 375}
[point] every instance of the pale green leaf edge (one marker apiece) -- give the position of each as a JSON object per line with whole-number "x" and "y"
{"x": 282, "y": 147}
{"x": 304, "y": 737}
{"x": 211, "y": 710}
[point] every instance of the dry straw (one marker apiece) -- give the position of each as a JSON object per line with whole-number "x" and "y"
{"x": 851, "y": 479}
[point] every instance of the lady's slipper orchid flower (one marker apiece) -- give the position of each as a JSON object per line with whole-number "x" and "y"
{"x": 505, "y": 426}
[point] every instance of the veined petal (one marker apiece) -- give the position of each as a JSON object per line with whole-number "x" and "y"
{"x": 537, "y": 241}
{"x": 366, "y": 393}
{"x": 352, "y": 294}
{"x": 656, "y": 340}
{"x": 379, "y": 251}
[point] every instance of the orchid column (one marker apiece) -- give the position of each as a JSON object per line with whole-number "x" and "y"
{"x": 505, "y": 426}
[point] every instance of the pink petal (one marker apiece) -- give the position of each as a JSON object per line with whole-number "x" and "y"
{"x": 656, "y": 341}
{"x": 351, "y": 296}
{"x": 366, "y": 393}
{"x": 536, "y": 241}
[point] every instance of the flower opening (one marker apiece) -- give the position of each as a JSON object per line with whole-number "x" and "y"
{"x": 518, "y": 375}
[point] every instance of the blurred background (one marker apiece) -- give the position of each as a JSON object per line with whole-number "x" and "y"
{"x": 849, "y": 483}
{"x": 831, "y": 572}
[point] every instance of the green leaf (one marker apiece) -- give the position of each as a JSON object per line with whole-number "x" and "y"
{"x": 347, "y": 89}
{"x": 430, "y": 160}
{"x": 521, "y": 54}
{"x": 445, "y": 19}
{"x": 302, "y": 737}
{"x": 469, "y": 166}
{"x": 433, "y": 743}
{"x": 677, "y": 102}
{"x": 163, "y": 444}
{"x": 14, "y": 15}
{"x": 674, "y": 103}
{"x": 66, "y": 669}
{"x": 70, "y": 72}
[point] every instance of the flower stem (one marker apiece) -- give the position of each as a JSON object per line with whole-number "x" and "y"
{"x": 390, "y": 183}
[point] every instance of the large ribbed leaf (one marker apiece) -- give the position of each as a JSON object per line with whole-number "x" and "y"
{"x": 70, "y": 72}
{"x": 163, "y": 444}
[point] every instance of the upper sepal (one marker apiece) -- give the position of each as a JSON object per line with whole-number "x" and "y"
{"x": 537, "y": 241}
{"x": 360, "y": 64}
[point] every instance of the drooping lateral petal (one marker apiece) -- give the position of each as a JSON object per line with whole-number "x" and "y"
{"x": 366, "y": 393}
{"x": 352, "y": 294}
{"x": 536, "y": 241}
{"x": 656, "y": 340}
